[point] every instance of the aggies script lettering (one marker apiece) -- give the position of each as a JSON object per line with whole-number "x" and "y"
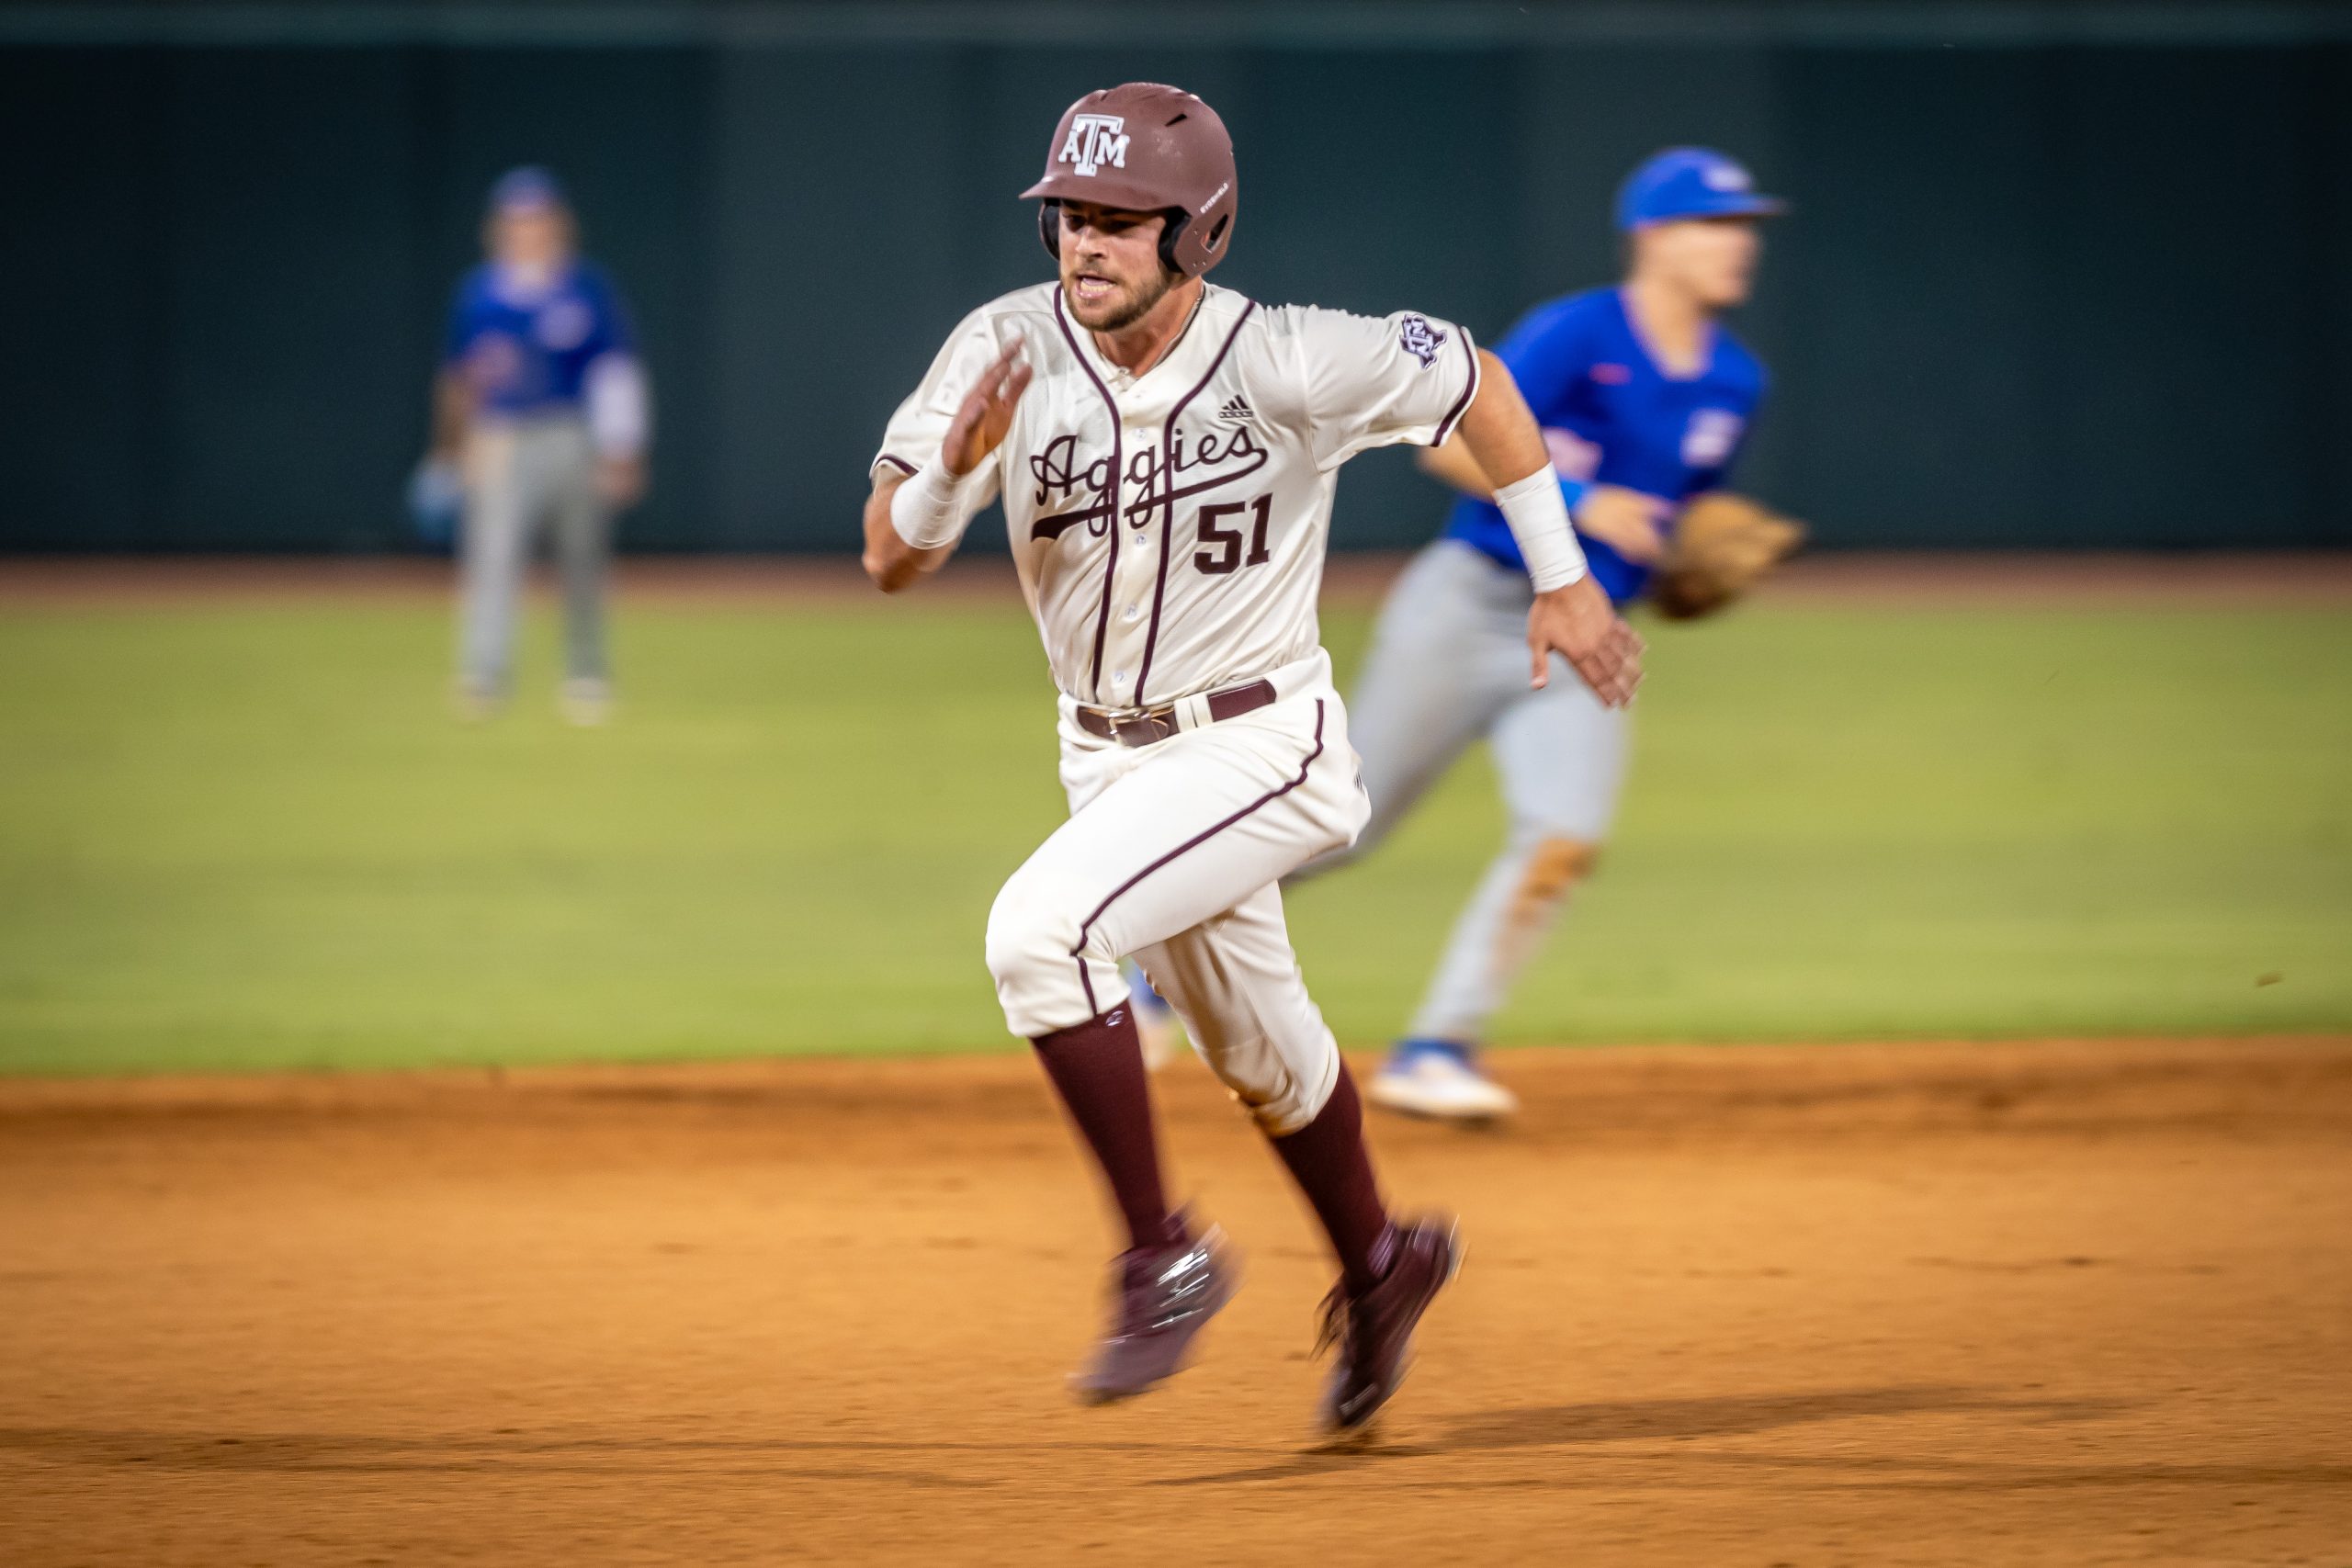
{"x": 1151, "y": 478}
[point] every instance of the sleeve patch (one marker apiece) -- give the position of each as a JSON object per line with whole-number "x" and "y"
{"x": 1419, "y": 339}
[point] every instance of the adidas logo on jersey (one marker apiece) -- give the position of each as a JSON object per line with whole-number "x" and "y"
{"x": 1237, "y": 411}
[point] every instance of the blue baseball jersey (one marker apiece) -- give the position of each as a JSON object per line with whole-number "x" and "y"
{"x": 1612, "y": 416}
{"x": 526, "y": 350}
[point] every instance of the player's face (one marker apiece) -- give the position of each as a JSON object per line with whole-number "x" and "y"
{"x": 1713, "y": 258}
{"x": 531, "y": 238}
{"x": 1111, "y": 272}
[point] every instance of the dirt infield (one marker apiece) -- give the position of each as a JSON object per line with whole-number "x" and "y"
{"x": 1961, "y": 579}
{"x": 2057, "y": 1304}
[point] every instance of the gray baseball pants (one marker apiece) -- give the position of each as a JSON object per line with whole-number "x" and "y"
{"x": 522, "y": 475}
{"x": 1448, "y": 666}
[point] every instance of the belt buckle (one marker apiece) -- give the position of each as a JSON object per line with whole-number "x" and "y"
{"x": 1147, "y": 728}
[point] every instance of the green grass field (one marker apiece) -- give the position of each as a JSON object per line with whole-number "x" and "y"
{"x": 246, "y": 837}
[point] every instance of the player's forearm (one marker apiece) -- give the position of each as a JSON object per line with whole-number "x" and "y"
{"x": 889, "y": 560}
{"x": 453, "y": 406}
{"x": 1499, "y": 439}
{"x": 1508, "y": 444}
{"x": 1451, "y": 465}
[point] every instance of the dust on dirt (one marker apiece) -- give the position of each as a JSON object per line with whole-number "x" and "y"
{"x": 2062, "y": 1303}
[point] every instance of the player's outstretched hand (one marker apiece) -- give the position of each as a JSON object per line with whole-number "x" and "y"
{"x": 1577, "y": 622}
{"x": 987, "y": 412}
{"x": 621, "y": 480}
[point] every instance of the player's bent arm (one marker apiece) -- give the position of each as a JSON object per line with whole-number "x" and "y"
{"x": 1457, "y": 463}
{"x": 914, "y": 520}
{"x": 889, "y": 560}
{"x": 453, "y": 409}
{"x": 1625, "y": 520}
{"x": 1571, "y": 615}
{"x": 1506, "y": 445}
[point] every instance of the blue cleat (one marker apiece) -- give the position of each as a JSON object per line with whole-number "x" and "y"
{"x": 1440, "y": 1079}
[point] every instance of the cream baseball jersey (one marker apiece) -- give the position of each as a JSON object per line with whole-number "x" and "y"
{"x": 1170, "y": 528}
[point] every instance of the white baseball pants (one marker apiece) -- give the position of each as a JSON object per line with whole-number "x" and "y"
{"x": 521, "y": 475}
{"x": 1172, "y": 854}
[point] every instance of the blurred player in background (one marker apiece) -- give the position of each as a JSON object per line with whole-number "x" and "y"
{"x": 1645, "y": 400}
{"x": 539, "y": 418}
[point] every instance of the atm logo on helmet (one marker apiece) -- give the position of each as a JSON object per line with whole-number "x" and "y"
{"x": 1095, "y": 140}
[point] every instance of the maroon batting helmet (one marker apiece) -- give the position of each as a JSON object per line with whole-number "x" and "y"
{"x": 1146, "y": 148}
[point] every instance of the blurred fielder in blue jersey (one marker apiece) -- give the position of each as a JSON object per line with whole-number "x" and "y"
{"x": 540, "y": 420}
{"x": 1645, "y": 400}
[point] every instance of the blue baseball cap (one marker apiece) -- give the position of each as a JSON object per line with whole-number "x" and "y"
{"x": 530, "y": 186}
{"x": 1690, "y": 182}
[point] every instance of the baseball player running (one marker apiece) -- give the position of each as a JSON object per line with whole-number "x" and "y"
{"x": 1645, "y": 400}
{"x": 539, "y": 417}
{"x": 1165, "y": 453}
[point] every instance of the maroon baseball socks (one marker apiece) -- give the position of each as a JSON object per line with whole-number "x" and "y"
{"x": 1097, "y": 1069}
{"x": 1328, "y": 1159}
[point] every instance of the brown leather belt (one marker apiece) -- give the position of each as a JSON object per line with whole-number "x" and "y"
{"x": 1154, "y": 724}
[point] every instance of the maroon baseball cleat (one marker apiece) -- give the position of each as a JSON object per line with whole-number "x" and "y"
{"x": 1374, "y": 1330}
{"x": 1166, "y": 1295}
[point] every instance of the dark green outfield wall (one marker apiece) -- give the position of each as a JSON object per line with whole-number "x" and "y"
{"x": 2036, "y": 293}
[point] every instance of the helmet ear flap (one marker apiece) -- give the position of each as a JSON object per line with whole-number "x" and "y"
{"x": 1049, "y": 226}
{"x": 1174, "y": 222}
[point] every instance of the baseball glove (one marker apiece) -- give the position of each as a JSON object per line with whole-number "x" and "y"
{"x": 437, "y": 495}
{"x": 1722, "y": 546}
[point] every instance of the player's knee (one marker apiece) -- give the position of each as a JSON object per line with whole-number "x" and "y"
{"x": 1282, "y": 1095}
{"x": 1026, "y": 933}
{"x": 1561, "y": 861}
{"x": 1298, "y": 1099}
{"x": 1555, "y": 863}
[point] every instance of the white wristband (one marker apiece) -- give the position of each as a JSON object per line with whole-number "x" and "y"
{"x": 619, "y": 420}
{"x": 924, "y": 508}
{"x": 1538, "y": 516}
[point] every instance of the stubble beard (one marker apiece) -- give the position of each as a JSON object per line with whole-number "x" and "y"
{"x": 1122, "y": 317}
